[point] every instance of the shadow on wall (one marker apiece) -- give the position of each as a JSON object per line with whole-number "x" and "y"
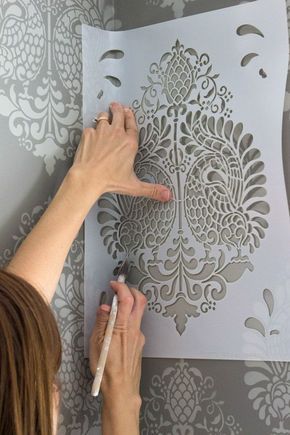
{"x": 157, "y": 11}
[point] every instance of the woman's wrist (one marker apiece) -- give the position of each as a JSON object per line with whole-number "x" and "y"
{"x": 117, "y": 401}
{"x": 79, "y": 185}
{"x": 121, "y": 415}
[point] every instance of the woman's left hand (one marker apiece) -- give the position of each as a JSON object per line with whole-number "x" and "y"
{"x": 105, "y": 158}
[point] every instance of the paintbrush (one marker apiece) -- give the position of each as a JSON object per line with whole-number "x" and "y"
{"x": 122, "y": 275}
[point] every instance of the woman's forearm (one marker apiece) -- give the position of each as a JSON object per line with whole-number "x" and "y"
{"x": 41, "y": 257}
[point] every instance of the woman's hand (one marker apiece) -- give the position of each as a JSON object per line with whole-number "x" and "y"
{"x": 104, "y": 162}
{"x": 121, "y": 381}
{"x": 105, "y": 158}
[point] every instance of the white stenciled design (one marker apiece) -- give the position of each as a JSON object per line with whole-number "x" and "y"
{"x": 22, "y": 40}
{"x": 75, "y": 377}
{"x": 267, "y": 330}
{"x": 27, "y": 222}
{"x": 184, "y": 402}
{"x": 269, "y": 382}
{"x": 40, "y": 48}
{"x": 269, "y": 392}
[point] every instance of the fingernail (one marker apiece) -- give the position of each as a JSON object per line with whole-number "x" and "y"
{"x": 105, "y": 308}
{"x": 114, "y": 103}
{"x": 166, "y": 195}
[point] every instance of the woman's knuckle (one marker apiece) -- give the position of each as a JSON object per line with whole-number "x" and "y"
{"x": 142, "y": 339}
{"x": 119, "y": 131}
{"x": 128, "y": 299}
{"x": 154, "y": 192}
{"x": 143, "y": 299}
{"x": 133, "y": 144}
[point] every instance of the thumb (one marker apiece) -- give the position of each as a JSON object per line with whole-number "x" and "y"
{"x": 154, "y": 191}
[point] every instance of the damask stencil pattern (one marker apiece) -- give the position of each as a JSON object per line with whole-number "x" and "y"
{"x": 269, "y": 392}
{"x": 40, "y": 72}
{"x": 216, "y": 175}
{"x": 267, "y": 324}
{"x": 184, "y": 401}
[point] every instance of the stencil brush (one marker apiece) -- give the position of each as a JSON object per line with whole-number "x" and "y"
{"x": 122, "y": 275}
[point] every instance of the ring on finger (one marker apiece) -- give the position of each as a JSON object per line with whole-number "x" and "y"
{"x": 102, "y": 117}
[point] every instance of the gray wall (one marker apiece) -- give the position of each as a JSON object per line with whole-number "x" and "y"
{"x": 40, "y": 125}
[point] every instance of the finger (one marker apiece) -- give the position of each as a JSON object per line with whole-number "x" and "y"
{"x": 97, "y": 336}
{"x": 138, "y": 366}
{"x": 157, "y": 192}
{"x": 140, "y": 303}
{"x": 103, "y": 314}
{"x": 125, "y": 302}
{"x": 102, "y": 119}
{"x": 130, "y": 124}
{"x": 118, "y": 115}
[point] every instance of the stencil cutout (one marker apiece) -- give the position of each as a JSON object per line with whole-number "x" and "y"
{"x": 256, "y": 324}
{"x": 114, "y": 80}
{"x": 112, "y": 54}
{"x": 247, "y": 59}
{"x": 248, "y": 29}
{"x": 198, "y": 258}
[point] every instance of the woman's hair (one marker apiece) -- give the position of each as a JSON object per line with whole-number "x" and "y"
{"x": 30, "y": 356}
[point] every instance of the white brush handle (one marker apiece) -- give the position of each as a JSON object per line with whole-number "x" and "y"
{"x": 106, "y": 344}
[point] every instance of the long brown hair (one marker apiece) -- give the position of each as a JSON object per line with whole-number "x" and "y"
{"x": 30, "y": 356}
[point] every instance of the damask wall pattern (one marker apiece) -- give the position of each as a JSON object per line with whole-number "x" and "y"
{"x": 40, "y": 72}
{"x": 40, "y": 121}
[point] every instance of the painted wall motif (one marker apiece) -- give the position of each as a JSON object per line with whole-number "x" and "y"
{"x": 40, "y": 123}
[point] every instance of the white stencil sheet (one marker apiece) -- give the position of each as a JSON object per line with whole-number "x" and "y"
{"x": 208, "y": 93}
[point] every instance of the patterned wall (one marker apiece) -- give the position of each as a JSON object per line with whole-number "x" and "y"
{"x": 40, "y": 124}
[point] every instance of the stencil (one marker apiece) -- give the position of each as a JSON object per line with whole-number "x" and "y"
{"x": 199, "y": 134}
{"x": 217, "y": 180}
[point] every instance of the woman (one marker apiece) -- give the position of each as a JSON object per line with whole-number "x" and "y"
{"x": 30, "y": 349}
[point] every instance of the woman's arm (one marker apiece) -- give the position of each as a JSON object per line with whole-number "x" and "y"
{"x": 104, "y": 162}
{"x": 121, "y": 381}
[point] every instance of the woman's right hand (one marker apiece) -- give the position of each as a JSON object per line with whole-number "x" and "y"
{"x": 105, "y": 158}
{"x": 121, "y": 381}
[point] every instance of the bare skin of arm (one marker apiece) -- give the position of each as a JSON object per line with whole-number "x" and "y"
{"x": 103, "y": 163}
